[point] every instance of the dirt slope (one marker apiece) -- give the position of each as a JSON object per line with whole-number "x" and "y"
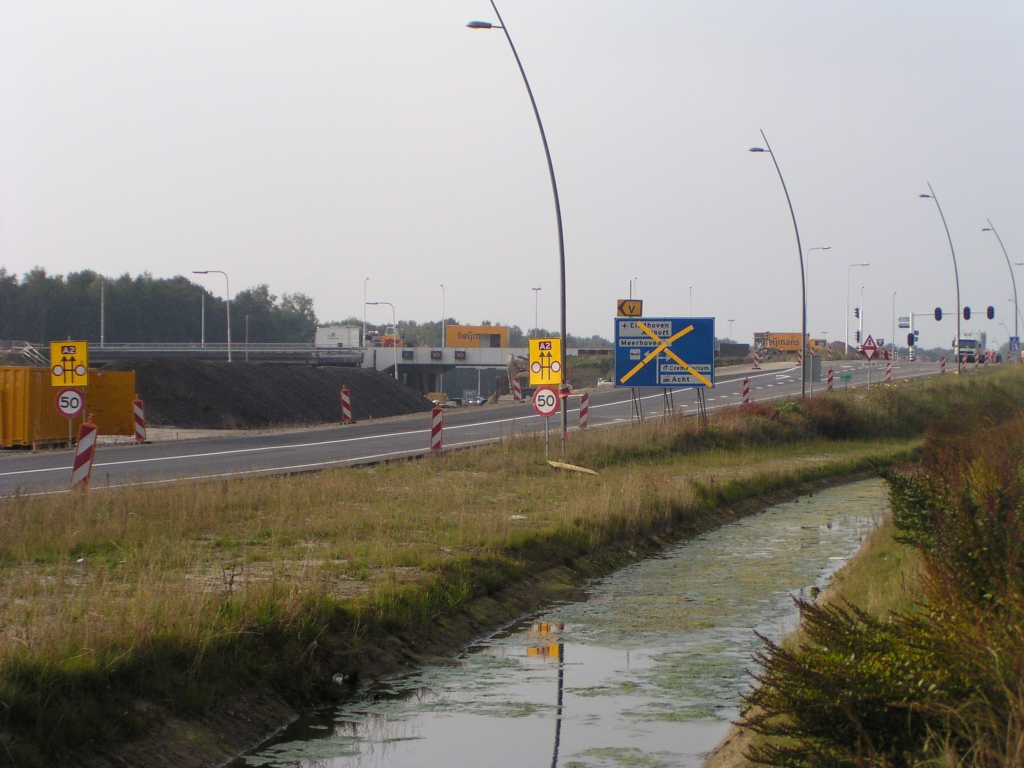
{"x": 192, "y": 394}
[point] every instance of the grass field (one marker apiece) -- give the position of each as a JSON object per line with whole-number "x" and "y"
{"x": 112, "y": 603}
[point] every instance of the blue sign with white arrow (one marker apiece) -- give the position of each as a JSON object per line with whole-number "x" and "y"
{"x": 664, "y": 351}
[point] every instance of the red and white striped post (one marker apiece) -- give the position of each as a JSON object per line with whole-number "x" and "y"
{"x": 746, "y": 391}
{"x": 829, "y": 350}
{"x": 139, "y": 415}
{"x": 888, "y": 370}
{"x": 584, "y": 410}
{"x": 831, "y": 378}
{"x": 81, "y": 469}
{"x": 800, "y": 357}
{"x": 757, "y": 358}
{"x": 346, "y": 406}
{"x": 436, "y": 424}
{"x": 517, "y": 390}
{"x": 942, "y": 364}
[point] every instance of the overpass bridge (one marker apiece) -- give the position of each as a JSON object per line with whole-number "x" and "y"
{"x": 418, "y": 367}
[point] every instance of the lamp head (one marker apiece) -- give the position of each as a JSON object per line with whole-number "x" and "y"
{"x": 480, "y": 25}
{"x": 758, "y": 149}
{"x": 986, "y": 229}
{"x": 924, "y": 195}
{"x": 200, "y": 271}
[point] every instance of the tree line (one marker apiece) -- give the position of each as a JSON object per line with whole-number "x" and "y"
{"x": 40, "y": 307}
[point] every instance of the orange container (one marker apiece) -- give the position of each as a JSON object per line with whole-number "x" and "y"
{"x": 28, "y": 416}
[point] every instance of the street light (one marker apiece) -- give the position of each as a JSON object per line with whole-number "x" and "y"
{"x": 991, "y": 228}
{"x": 956, "y": 274}
{"x": 440, "y": 376}
{"x": 807, "y": 261}
{"x": 894, "y": 325}
{"x": 554, "y": 191}
{"x": 730, "y": 328}
{"x": 365, "y": 281}
{"x": 847, "y": 340}
{"x": 803, "y": 281}
{"x": 227, "y": 287}
{"x": 394, "y": 325}
{"x": 536, "y": 322}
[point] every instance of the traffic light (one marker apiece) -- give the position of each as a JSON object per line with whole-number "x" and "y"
{"x": 857, "y": 336}
{"x": 938, "y": 313}
{"x": 856, "y": 311}
{"x": 990, "y": 313}
{"x": 910, "y": 339}
{"x": 967, "y": 313}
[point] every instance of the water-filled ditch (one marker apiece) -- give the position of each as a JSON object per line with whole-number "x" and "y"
{"x": 645, "y": 673}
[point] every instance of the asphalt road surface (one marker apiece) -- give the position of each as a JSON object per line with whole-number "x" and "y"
{"x": 404, "y": 436}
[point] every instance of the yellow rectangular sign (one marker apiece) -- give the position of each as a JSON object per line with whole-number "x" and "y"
{"x": 785, "y": 342}
{"x": 69, "y": 363}
{"x": 545, "y": 362}
{"x": 630, "y": 308}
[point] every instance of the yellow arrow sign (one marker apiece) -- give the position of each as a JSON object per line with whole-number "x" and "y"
{"x": 630, "y": 308}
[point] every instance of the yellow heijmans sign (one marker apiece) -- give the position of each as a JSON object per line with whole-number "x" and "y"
{"x": 545, "y": 362}
{"x": 69, "y": 363}
{"x": 630, "y": 308}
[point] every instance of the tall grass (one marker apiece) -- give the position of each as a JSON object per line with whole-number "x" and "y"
{"x": 179, "y": 595}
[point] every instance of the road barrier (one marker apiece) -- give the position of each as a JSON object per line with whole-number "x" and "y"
{"x": 81, "y": 469}
{"x": 139, "y": 416}
{"x": 829, "y": 350}
{"x": 888, "y": 370}
{"x": 942, "y": 364}
{"x": 746, "y": 391}
{"x": 757, "y": 358}
{"x": 346, "y": 406}
{"x": 830, "y": 379}
{"x": 517, "y": 390}
{"x": 436, "y": 425}
{"x": 584, "y": 410}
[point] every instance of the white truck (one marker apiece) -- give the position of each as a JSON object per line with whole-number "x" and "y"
{"x": 335, "y": 336}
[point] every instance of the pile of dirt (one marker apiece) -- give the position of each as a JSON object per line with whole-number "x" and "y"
{"x": 192, "y": 394}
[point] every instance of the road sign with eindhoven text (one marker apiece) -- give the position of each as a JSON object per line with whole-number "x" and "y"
{"x": 665, "y": 352}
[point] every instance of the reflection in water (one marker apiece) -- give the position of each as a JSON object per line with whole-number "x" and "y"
{"x": 645, "y": 673}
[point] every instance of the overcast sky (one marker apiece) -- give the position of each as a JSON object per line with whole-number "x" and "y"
{"x": 312, "y": 145}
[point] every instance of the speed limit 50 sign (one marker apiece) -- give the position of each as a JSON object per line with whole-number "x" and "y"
{"x": 70, "y": 402}
{"x": 545, "y": 401}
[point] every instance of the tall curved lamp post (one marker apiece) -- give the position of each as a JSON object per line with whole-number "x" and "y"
{"x": 554, "y": 191}
{"x": 956, "y": 274}
{"x": 227, "y": 287}
{"x": 394, "y": 324}
{"x": 803, "y": 280}
{"x": 991, "y": 228}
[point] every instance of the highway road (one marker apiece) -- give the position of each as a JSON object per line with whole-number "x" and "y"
{"x": 404, "y": 436}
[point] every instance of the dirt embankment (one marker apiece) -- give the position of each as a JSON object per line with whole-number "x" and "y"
{"x": 192, "y": 394}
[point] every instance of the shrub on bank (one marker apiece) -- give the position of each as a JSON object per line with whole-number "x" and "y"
{"x": 940, "y": 685}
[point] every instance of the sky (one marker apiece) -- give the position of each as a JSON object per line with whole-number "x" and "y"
{"x": 314, "y": 145}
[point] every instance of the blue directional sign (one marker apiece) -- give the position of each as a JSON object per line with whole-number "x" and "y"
{"x": 664, "y": 351}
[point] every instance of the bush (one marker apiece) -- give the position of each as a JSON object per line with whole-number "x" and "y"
{"x": 945, "y": 682}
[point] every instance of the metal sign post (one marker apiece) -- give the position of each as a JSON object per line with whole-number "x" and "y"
{"x": 545, "y": 403}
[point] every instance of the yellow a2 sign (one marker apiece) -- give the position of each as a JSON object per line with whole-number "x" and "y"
{"x": 545, "y": 362}
{"x": 69, "y": 363}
